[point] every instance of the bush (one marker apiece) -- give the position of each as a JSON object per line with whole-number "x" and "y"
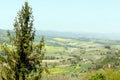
{"x": 106, "y": 74}
{"x": 98, "y": 77}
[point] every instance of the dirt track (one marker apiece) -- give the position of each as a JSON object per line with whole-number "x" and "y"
{"x": 51, "y": 61}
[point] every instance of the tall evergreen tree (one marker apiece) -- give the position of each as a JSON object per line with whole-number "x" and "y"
{"x": 23, "y": 59}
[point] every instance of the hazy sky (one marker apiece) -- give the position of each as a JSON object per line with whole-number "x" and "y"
{"x": 66, "y": 15}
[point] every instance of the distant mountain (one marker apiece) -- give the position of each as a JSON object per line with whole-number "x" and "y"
{"x": 2, "y": 32}
{"x": 56, "y": 34}
{"x": 108, "y": 36}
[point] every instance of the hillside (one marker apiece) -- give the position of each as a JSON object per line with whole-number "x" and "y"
{"x": 75, "y": 53}
{"x": 105, "y": 36}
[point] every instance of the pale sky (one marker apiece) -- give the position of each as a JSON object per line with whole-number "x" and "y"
{"x": 66, "y": 15}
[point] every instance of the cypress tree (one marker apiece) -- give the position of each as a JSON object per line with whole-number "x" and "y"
{"x": 23, "y": 59}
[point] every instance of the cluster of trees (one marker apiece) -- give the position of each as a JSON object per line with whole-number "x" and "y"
{"x": 22, "y": 60}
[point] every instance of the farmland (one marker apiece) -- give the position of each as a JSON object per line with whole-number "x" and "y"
{"x": 71, "y": 58}
{"x": 76, "y": 57}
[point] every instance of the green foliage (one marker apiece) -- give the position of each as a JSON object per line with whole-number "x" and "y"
{"x": 107, "y": 74}
{"x": 111, "y": 59}
{"x": 107, "y": 47}
{"x": 23, "y": 59}
{"x": 98, "y": 77}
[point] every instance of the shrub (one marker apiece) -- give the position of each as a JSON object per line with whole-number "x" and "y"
{"x": 98, "y": 77}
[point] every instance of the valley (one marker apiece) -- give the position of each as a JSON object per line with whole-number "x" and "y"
{"x": 73, "y": 57}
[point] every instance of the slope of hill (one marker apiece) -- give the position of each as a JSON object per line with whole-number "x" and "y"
{"x": 2, "y": 32}
{"x": 107, "y": 36}
{"x": 68, "y": 53}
